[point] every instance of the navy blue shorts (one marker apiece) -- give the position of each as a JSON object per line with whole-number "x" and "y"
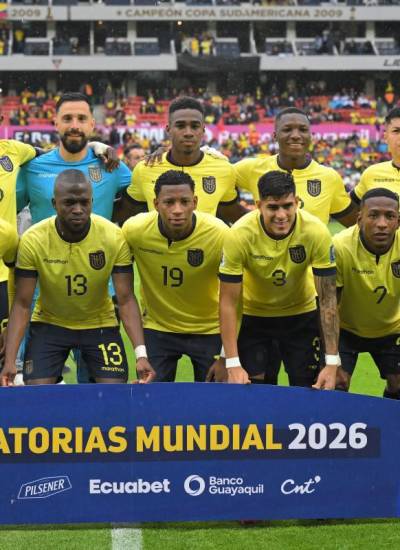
{"x": 49, "y": 345}
{"x": 385, "y": 351}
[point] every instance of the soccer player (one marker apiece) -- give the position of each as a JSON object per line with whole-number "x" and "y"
{"x": 8, "y": 252}
{"x": 267, "y": 254}
{"x": 368, "y": 281}
{"x": 214, "y": 177}
{"x": 383, "y": 174}
{"x": 320, "y": 189}
{"x": 75, "y": 123}
{"x": 177, "y": 252}
{"x": 73, "y": 255}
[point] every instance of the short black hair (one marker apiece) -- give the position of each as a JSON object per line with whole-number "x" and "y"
{"x": 276, "y": 184}
{"x": 131, "y": 147}
{"x": 290, "y": 111}
{"x": 185, "y": 102}
{"x": 393, "y": 113}
{"x": 379, "y": 192}
{"x": 173, "y": 177}
{"x": 72, "y": 96}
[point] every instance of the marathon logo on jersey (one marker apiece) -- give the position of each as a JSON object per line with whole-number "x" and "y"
{"x": 209, "y": 184}
{"x": 97, "y": 259}
{"x": 396, "y": 268}
{"x": 95, "y": 173}
{"x": 195, "y": 257}
{"x": 314, "y": 187}
{"x": 44, "y": 487}
{"x": 6, "y": 163}
{"x": 297, "y": 253}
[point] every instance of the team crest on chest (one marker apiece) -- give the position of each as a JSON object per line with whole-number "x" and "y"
{"x": 396, "y": 268}
{"x": 297, "y": 253}
{"x": 97, "y": 259}
{"x": 195, "y": 257}
{"x": 95, "y": 173}
{"x": 314, "y": 187}
{"x": 209, "y": 184}
{"x": 6, "y": 163}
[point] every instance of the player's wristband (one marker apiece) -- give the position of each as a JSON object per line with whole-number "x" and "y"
{"x": 332, "y": 360}
{"x": 232, "y": 362}
{"x": 222, "y": 353}
{"x": 140, "y": 351}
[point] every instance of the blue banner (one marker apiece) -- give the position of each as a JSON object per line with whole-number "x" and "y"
{"x": 177, "y": 452}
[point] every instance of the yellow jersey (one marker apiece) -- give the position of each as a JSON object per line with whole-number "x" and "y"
{"x": 73, "y": 277}
{"x": 214, "y": 180}
{"x": 320, "y": 189}
{"x": 383, "y": 174}
{"x": 12, "y": 155}
{"x": 8, "y": 243}
{"x": 275, "y": 273}
{"x": 179, "y": 279}
{"x": 369, "y": 304}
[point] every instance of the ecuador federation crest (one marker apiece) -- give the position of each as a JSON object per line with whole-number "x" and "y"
{"x": 396, "y": 268}
{"x": 195, "y": 257}
{"x": 95, "y": 174}
{"x": 209, "y": 184}
{"x": 6, "y": 163}
{"x": 297, "y": 253}
{"x": 97, "y": 259}
{"x": 314, "y": 187}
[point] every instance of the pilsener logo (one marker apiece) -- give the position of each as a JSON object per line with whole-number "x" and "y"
{"x": 194, "y": 485}
{"x": 44, "y": 487}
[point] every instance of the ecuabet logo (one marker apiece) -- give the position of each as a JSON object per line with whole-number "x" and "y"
{"x": 194, "y": 485}
{"x": 44, "y": 487}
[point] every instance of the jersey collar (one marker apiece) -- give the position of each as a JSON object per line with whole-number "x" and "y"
{"x": 169, "y": 159}
{"x": 72, "y": 242}
{"x": 365, "y": 246}
{"x": 395, "y": 166}
{"x": 163, "y": 233}
{"x": 271, "y": 236}
{"x": 305, "y": 165}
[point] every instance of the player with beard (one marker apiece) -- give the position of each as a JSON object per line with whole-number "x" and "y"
{"x": 75, "y": 123}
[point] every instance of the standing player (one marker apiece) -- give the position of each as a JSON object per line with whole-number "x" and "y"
{"x": 214, "y": 177}
{"x": 368, "y": 281}
{"x": 177, "y": 252}
{"x": 268, "y": 253}
{"x": 133, "y": 154}
{"x": 73, "y": 255}
{"x": 8, "y": 253}
{"x": 75, "y": 123}
{"x": 383, "y": 174}
{"x": 320, "y": 189}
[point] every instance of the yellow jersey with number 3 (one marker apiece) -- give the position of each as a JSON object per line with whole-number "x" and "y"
{"x": 179, "y": 279}
{"x": 214, "y": 180}
{"x": 320, "y": 189}
{"x": 12, "y": 155}
{"x": 275, "y": 273}
{"x": 370, "y": 298}
{"x": 73, "y": 277}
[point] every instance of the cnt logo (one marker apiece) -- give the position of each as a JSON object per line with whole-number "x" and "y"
{"x": 290, "y": 487}
{"x": 44, "y": 487}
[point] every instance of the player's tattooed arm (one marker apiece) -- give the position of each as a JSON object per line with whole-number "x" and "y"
{"x": 326, "y": 289}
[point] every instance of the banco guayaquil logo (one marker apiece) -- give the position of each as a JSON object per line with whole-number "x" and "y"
{"x": 194, "y": 485}
{"x": 44, "y": 487}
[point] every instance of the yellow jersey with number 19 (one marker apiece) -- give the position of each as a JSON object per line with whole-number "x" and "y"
{"x": 320, "y": 189}
{"x": 73, "y": 277}
{"x": 214, "y": 180}
{"x": 370, "y": 298}
{"x": 179, "y": 279}
{"x": 275, "y": 273}
{"x": 12, "y": 155}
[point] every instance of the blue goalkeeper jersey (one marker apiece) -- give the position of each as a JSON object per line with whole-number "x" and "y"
{"x": 35, "y": 183}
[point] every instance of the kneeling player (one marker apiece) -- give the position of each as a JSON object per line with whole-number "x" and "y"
{"x": 368, "y": 280}
{"x": 73, "y": 255}
{"x": 178, "y": 252}
{"x": 268, "y": 254}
